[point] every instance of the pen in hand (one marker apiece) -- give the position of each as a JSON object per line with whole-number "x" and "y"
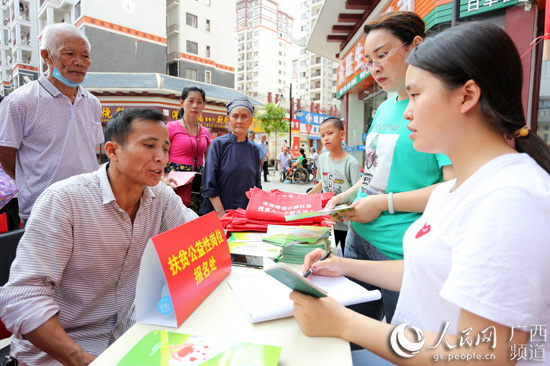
{"x": 325, "y": 256}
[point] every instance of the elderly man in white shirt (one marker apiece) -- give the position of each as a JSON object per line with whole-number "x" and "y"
{"x": 49, "y": 128}
{"x": 73, "y": 282}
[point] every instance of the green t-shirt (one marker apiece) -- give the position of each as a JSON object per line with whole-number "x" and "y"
{"x": 393, "y": 165}
{"x": 338, "y": 177}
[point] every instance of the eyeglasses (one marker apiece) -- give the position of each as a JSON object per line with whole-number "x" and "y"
{"x": 382, "y": 59}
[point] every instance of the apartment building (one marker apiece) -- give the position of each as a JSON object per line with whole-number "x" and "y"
{"x": 201, "y": 40}
{"x": 192, "y": 39}
{"x": 19, "y": 56}
{"x": 125, "y": 35}
{"x": 264, "y": 50}
{"x": 316, "y": 75}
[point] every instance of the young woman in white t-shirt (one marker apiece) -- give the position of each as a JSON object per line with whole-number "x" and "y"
{"x": 476, "y": 263}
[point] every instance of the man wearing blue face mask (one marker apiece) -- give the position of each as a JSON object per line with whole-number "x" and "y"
{"x": 49, "y": 128}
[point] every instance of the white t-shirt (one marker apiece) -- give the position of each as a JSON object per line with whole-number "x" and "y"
{"x": 484, "y": 248}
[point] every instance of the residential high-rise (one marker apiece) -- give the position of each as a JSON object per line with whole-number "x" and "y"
{"x": 201, "y": 40}
{"x": 193, "y": 39}
{"x": 125, "y": 35}
{"x": 18, "y": 44}
{"x": 264, "y": 51}
{"x": 316, "y": 75}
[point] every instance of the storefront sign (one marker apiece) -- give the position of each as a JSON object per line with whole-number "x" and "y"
{"x": 213, "y": 120}
{"x": 350, "y": 71}
{"x": 474, "y": 7}
{"x": 311, "y": 121}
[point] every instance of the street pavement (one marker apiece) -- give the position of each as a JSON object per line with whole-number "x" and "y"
{"x": 275, "y": 183}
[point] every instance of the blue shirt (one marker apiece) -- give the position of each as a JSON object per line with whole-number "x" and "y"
{"x": 231, "y": 169}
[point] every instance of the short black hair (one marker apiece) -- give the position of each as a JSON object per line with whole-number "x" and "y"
{"x": 336, "y": 122}
{"x": 120, "y": 125}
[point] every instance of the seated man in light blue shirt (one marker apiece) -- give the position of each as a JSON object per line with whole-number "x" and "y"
{"x": 73, "y": 282}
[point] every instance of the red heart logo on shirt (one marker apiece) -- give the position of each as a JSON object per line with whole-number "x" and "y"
{"x": 425, "y": 229}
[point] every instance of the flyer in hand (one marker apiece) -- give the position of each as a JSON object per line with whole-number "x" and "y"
{"x": 164, "y": 348}
{"x": 323, "y": 212}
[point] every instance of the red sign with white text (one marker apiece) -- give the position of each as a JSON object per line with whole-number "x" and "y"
{"x": 194, "y": 258}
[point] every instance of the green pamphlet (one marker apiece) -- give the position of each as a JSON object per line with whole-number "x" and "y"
{"x": 164, "y": 348}
{"x": 294, "y": 280}
{"x": 323, "y": 212}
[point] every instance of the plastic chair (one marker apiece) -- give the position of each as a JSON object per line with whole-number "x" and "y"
{"x": 8, "y": 248}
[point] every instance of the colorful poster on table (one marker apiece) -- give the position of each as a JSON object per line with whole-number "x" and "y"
{"x": 163, "y": 348}
{"x": 179, "y": 269}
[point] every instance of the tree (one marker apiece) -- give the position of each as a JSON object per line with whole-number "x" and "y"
{"x": 272, "y": 120}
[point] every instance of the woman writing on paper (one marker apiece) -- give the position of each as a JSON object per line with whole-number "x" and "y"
{"x": 189, "y": 142}
{"x": 476, "y": 262}
{"x": 233, "y": 163}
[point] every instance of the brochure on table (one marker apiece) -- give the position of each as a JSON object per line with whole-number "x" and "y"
{"x": 163, "y": 348}
{"x": 192, "y": 259}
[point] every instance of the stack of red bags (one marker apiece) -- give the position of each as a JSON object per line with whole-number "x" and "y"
{"x": 268, "y": 208}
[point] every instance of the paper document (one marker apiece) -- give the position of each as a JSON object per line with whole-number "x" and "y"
{"x": 182, "y": 178}
{"x": 265, "y": 298}
{"x": 323, "y": 212}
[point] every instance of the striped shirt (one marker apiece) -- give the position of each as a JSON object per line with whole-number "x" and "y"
{"x": 80, "y": 257}
{"x": 55, "y": 139}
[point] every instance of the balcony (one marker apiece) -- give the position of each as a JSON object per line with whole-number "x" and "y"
{"x": 316, "y": 85}
{"x": 173, "y": 56}
{"x": 174, "y": 28}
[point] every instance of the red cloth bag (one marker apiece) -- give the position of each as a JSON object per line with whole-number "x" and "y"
{"x": 275, "y": 205}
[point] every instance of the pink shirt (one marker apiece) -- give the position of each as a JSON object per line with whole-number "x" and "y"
{"x": 183, "y": 148}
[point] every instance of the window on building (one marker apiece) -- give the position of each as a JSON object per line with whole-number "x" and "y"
{"x": 191, "y": 74}
{"x": 191, "y": 20}
{"x": 208, "y": 25}
{"x": 192, "y": 47}
{"x": 208, "y": 77}
{"x": 77, "y": 10}
{"x": 208, "y": 51}
{"x": 280, "y": 53}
